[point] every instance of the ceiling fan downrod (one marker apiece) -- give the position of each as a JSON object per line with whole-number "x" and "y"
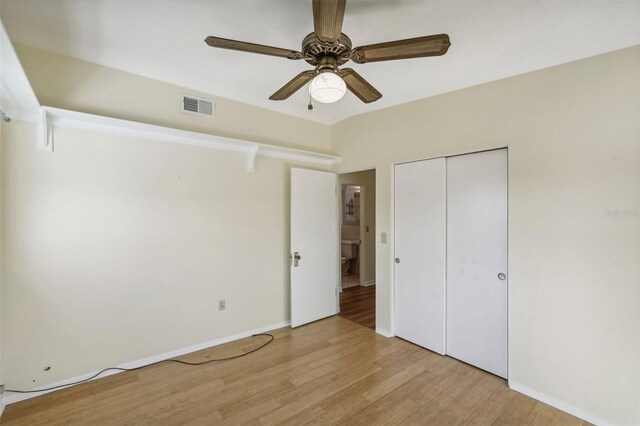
{"x": 327, "y": 63}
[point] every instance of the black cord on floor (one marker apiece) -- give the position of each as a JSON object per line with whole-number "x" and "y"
{"x": 149, "y": 365}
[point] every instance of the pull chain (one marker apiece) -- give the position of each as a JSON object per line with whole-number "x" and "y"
{"x": 310, "y": 106}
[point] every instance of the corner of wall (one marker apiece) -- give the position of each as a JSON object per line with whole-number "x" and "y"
{"x": 1, "y": 357}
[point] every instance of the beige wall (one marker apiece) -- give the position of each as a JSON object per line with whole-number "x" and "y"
{"x": 119, "y": 248}
{"x": 366, "y": 179}
{"x": 115, "y": 249}
{"x": 64, "y": 82}
{"x": 574, "y": 158}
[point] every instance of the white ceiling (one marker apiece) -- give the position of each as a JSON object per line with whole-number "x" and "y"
{"x": 164, "y": 40}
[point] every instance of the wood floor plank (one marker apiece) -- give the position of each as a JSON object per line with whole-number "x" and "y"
{"x": 358, "y": 304}
{"x": 339, "y": 406}
{"x": 516, "y": 411}
{"x": 330, "y": 372}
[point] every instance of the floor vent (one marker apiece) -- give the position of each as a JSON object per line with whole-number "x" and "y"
{"x": 194, "y": 105}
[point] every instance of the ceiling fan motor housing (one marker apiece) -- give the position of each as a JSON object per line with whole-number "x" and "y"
{"x": 326, "y": 56}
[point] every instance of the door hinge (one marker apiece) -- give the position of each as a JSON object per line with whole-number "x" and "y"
{"x": 294, "y": 259}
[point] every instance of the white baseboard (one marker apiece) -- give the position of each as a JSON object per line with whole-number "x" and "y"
{"x": 384, "y": 333}
{"x": 560, "y": 405}
{"x": 10, "y": 398}
{"x": 369, "y": 283}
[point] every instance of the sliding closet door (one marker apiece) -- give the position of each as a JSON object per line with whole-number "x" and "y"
{"x": 419, "y": 225}
{"x": 477, "y": 260}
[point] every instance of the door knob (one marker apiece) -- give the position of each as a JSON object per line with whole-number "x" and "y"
{"x": 296, "y": 258}
{"x": 397, "y": 260}
{"x": 502, "y": 276}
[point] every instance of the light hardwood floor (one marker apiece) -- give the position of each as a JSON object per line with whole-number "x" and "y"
{"x": 333, "y": 371}
{"x": 359, "y": 304}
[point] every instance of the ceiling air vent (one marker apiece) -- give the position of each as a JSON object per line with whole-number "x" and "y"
{"x": 194, "y": 105}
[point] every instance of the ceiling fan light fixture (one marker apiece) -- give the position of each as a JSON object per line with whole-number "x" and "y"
{"x": 327, "y": 88}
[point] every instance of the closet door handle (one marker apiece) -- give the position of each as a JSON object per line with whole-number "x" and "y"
{"x": 397, "y": 260}
{"x": 502, "y": 276}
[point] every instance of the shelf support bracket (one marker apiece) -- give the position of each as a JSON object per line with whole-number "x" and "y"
{"x": 45, "y": 132}
{"x": 252, "y": 152}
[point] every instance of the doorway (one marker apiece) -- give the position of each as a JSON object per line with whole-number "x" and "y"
{"x": 357, "y": 246}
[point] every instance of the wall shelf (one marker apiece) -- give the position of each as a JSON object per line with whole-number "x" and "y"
{"x": 19, "y": 102}
{"x": 56, "y": 117}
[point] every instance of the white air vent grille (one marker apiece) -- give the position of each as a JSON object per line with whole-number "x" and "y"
{"x": 194, "y": 105}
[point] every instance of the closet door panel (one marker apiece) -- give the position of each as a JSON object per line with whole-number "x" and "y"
{"x": 419, "y": 270}
{"x": 476, "y": 256}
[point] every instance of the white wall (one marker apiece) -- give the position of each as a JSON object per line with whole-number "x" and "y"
{"x": 367, "y": 179}
{"x": 573, "y": 133}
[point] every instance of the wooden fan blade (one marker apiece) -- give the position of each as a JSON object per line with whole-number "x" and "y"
{"x": 243, "y": 46}
{"x": 293, "y": 86}
{"x": 359, "y": 86}
{"x": 434, "y": 45}
{"x": 327, "y": 19}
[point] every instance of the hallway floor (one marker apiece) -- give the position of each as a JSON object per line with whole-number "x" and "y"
{"x": 358, "y": 304}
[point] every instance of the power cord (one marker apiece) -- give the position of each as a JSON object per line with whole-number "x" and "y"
{"x": 149, "y": 365}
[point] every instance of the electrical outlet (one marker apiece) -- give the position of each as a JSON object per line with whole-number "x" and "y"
{"x": 222, "y": 305}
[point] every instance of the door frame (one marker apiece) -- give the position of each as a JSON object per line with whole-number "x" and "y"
{"x": 363, "y": 200}
{"x": 391, "y": 242}
{"x": 363, "y": 244}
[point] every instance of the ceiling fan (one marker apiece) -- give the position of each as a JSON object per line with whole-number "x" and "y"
{"x": 327, "y": 48}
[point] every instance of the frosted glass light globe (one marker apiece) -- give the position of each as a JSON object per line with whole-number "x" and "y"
{"x": 327, "y": 88}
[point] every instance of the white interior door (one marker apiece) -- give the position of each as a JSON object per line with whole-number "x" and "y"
{"x": 314, "y": 246}
{"x": 476, "y": 258}
{"x": 419, "y": 227}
